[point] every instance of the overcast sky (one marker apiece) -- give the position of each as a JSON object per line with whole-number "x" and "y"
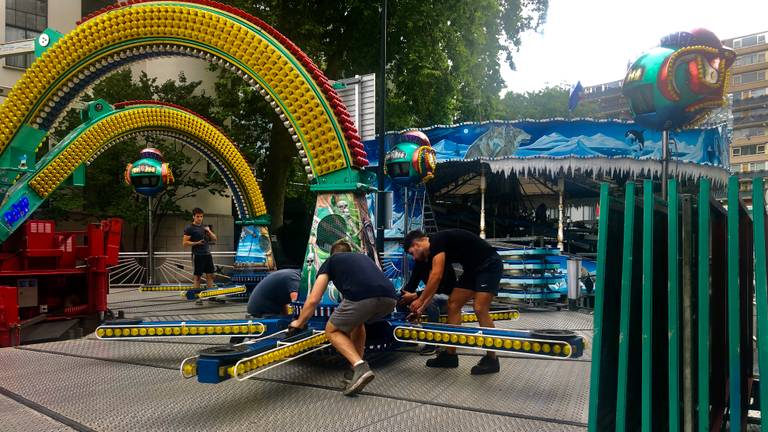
{"x": 593, "y": 40}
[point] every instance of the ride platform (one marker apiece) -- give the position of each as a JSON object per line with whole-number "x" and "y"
{"x": 105, "y": 385}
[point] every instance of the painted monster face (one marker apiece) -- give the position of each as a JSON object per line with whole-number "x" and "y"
{"x": 677, "y": 84}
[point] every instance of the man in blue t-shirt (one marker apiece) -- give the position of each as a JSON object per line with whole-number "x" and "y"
{"x": 368, "y": 296}
{"x": 274, "y": 293}
{"x": 198, "y": 236}
{"x": 482, "y": 269}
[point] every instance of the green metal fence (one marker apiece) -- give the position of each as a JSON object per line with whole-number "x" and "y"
{"x": 675, "y": 281}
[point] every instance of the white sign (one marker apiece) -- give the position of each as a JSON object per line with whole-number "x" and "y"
{"x": 18, "y": 47}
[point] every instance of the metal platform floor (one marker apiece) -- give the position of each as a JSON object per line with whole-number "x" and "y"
{"x": 88, "y": 384}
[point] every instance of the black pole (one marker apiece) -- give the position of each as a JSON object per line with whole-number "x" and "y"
{"x": 382, "y": 124}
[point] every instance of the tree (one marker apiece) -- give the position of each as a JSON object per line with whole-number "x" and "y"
{"x": 106, "y": 172}
{"x": 546, "y": 103}
{"x": 443, "y": 60}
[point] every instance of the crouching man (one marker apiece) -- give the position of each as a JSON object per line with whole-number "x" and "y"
{"x": 368, "y": 296}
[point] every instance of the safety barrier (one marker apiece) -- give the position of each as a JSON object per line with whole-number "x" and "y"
{"x": 673, "y": 309}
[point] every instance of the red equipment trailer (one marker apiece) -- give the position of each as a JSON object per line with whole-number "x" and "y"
{"x": 54, "y": 285}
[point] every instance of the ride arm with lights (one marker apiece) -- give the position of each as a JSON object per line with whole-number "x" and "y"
{"x": 435, "y": 277}
{"x": 321, "y": 283}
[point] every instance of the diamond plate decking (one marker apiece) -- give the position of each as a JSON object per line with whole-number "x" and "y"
{"x": 89, "y": 384}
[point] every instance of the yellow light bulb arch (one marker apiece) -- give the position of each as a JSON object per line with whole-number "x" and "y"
{"x": 314, "y": 115}
{"x": 142, "y": 119}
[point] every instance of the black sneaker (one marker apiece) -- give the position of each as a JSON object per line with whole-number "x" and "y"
{"x": 486, "y": 365}
{"x": 361, "y": 376}
{"x": 428, "y": 350}
{"x": 444, "y": 359}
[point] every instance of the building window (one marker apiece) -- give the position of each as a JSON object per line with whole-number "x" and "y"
{"x": 736, "y": 151}
{"x": 748, "y": 132}
{"x": 749, "y": 41}
{"x": 24, "y": 19}
{"x": 748, "y": 77}
{"x": 750, "y": 59}
{"x": 761, "y": 149}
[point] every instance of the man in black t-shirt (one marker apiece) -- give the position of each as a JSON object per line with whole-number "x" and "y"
{"x": 198, "y": 236}
{"x": 368, "y": 296}
{"x": 419, "y": 274}
{"x": 482, "y": 269}
{"x": 439, "y": 303}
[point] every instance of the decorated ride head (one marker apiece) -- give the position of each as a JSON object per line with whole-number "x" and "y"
{"x": 677, "y": 84}
{"x": 412, "y": 160}
{"x": 148, "y": 175}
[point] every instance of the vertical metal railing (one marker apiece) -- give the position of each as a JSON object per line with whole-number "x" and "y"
{"x": 676, "y": 280}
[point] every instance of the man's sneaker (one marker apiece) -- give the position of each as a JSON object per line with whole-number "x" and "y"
{"x": 361, "y": 376}
{"x": 444, "y": 359}
{"x": 486, "y": 365}
{"x": 347, "y": 377}
{"x": 428, "y": 350}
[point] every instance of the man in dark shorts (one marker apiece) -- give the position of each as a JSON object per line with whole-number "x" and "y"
{"x": 482, "y": 268}
{"x": 439, "y": 303}
{"x": 198, "y": 236}
{"x": 271, "y": 296}
{"x": 368, "y": 296}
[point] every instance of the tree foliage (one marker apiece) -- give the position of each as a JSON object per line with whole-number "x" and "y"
{"x": 546, "y": 103}
{"x": 443, "y": 65}
{"x": 106, "y": 172}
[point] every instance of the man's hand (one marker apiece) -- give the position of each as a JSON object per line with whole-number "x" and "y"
{"x": 407, "y": 297}
{"x": 293, "y": 328}
{"x": 417, "y": 306}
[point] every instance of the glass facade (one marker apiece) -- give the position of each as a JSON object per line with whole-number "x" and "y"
{"x": 24, "y": 19}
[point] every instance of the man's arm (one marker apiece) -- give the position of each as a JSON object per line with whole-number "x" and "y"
{"x": 186, "y": 241}
{"x": 211, "y": 234}
{"x": 435, "y": 276}
{"x": 321, "y": 283}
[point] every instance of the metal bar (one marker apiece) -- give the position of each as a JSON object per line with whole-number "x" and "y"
{"x": 734, "y": 327}
{"x": 673, "y": 306}
{"x": 687, "y": 252}
{"x": 664, "y": 162}
{"x": 626, "y": 294}
{"x": 703, "y": 305}
{"x": 150, "y": 249}
{"x": 600, "y": 284}
{"x": 761, "y": 282}
{"x": 561, "y": 212}
{"x": 382, "y": 123}
{"x": 647, "y": 330}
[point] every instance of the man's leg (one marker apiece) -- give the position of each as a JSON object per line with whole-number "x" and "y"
{"x": 358, "y": 339}
{"x": 482, "y": 306}
{"x": 456, "y": 301}
{"x": 197, "y": 272}
{"x": 209, "y": 270}
{"x": 343, "y": 343}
